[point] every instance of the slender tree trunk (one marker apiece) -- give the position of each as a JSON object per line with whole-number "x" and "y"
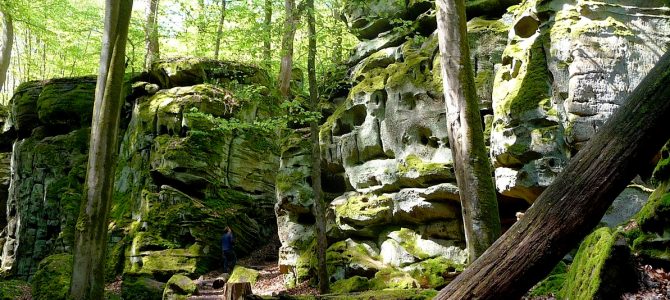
{"x": 337, "y": 49}
{"x": 466, "y": 137}
{"x": 7, "y": 44}
{"x": 267, "y": 26}
{"x": 286, "y": 67}
{"x": 319, "y": 206}
{"x": 219, "y": 31}
{"x": 577, "y": 199}
{"x": 151, "y": 34}
{"x": 91, "y": 229}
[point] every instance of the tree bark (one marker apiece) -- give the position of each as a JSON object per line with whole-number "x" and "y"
{"x": 286, "y": 68}
{"x": 7, "y": 44}
{"x": 466, "y": 136}
{"x": 577, "y": 199}
{"x": 219, "y": 31}
{"x": 91, "y": 228}
{"x": 319, "y": 206}
{"x": 267, "y": 26}
{"x": 151, "y": 34}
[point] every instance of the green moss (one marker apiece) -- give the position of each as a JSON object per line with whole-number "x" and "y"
{"x": 655, "y": 214}
{"x": 368, "y": 205}
{"x": 552, "y": 285}
{"x": 413, "y": 163}
{"x": 242, "y": 274}
{"x": 477, "y": 25}
{"x": 67, "y": 102}
{"x": 52, "y": 279}
{"x": 180, "y": 285}
{"x": 289, "y": 180}
{"x": 115, "y": 260}
{"x": 583, "y": 279}
{"x": 141, "y": 288}
{"x": 391, "y": 278}
{"x": 435, "y": 272}
{"x": 13, "y": 289}
{"x": 662, "y": 170}
{"x": 349, "y": 285}
{"x": 165, "y": 263}
{"x": 346, "y": 253}
{"x": 385, "y": 295}
{"x": 524, "y": 84}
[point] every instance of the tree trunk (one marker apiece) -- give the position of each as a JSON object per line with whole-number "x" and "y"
{"x": 151, "y": 34}
{"x": 466, "y": 136}
{"x": 219, "y": 31}
{"x": 236, "y": 290}
{"x": 91, "y": 229}
{"x": 319, "y": 206}
{"x": 267, "y": 26}
{"x": 286, "y": 67}
{"x": 7, "y": 43}
{"x": 577, "y": 199}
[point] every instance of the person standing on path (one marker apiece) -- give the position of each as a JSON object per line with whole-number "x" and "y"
{"x": 229, "y": 257}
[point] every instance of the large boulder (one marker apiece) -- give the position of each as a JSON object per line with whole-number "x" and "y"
{"x": 52, "y": 279}
{"x": 602, "y": 268}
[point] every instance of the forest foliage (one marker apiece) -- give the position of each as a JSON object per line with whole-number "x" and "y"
{"x": 62, "y": 38}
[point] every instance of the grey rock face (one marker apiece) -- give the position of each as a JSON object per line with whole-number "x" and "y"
{"x": 388, "y": 143}
{"x": 568, "y": 66}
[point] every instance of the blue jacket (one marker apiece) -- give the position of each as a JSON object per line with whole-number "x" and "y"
{"x": 227, "y": 241}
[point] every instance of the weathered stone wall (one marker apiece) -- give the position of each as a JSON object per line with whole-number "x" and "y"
{"x": 567, "y": 67}
{"x": 388, "y": 170}
{"x": 190, "y": 163}
{"x": 548, "y": 75}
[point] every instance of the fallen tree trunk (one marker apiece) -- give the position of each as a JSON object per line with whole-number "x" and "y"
{"x": 576, "y": 201}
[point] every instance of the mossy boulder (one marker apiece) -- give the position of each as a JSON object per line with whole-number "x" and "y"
{"x": 141, "y": 288}
{"x": 67, "y": 102}
{"x": 435, "y": 272}
{"x": 649, "y": 239}
{"x": 13, "y": 289}
{"x": 24, "y": 115}
{"x": 367, "y": 19}
{"x": 350, "y": 285}
{"x": 351, "y": 258}
{"x": 602, "y": 268}
{"x": 52, "y": 279}
{"x": 391, "y": 278}
{"x": 179, "y": 287}
{"x": 552, "y": 285}
{"x": 175, "y": 72}
{"x": 242, "y": 274}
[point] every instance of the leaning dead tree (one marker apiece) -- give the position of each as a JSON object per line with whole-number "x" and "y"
{"x": 574, "y": 204}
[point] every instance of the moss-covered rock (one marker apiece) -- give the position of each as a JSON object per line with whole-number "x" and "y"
{"x": 242, "y": 274}
{"x": 350, "y": 285}
{"x": 350, "y": 258}
{"x": 552, "y": 285}
{"x": 52, "y": 279}
{"x": 179, "y": 287}
{"x": 141, "y": 288}
{"x": 602, "y": 268}
{"x": 13, "y": 289}
{"x": 175, "y": 72}
{"x": 67, "y": 102}
{"x": 649, "y": 237}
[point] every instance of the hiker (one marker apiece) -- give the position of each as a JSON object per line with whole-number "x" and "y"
{"x": 229, "y": 258}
